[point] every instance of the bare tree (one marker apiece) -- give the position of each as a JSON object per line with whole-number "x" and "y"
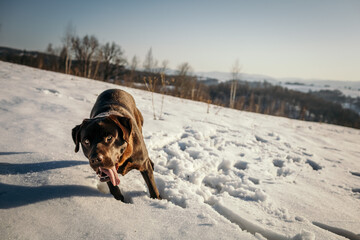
{"x": 99, "y": 57}
{"x": 69, "y": 34}
{"x": 52, "y": 60}
{"x": 84, "y": 50}
{"x": 164, "y": 66}
{"x": 78, "y": 51}
{"x": 134, "y": 63}
{"x": 133, "y": 67}
{"x": 112, "y": 55}
{"x": 187, "y": 82}
{"x": 90, "y": 44}
{"x": 184, "y": 69}
{"x": 50, "y": 49}
{"x": 235, "y": 78}
{"x": 150, "y": 64}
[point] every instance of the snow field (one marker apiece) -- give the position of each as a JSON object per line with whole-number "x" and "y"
{"x": 223, "y": 175}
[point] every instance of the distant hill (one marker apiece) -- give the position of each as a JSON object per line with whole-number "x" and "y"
{"x": 348, "y": 88}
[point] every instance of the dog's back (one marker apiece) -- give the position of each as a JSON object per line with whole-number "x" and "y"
{"x": 113, "y": 100}
{"x": 116, "y": 100}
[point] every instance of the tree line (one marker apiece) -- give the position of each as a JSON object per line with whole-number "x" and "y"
{"x": 262, "y": 97}
{"x": 87, "y": 57}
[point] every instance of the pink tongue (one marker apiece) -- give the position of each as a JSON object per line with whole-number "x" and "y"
{"x": 113, "y": 175}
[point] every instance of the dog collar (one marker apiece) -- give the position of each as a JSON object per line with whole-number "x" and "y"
{"x": 106, "y": 114}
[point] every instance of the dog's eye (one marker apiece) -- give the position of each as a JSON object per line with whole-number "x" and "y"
{"x": 108, "y": 138}
{"x": 86, "y": 142}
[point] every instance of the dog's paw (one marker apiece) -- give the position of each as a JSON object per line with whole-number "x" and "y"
{"x": 117, "y": 194}
{"x": 119, "y": 197}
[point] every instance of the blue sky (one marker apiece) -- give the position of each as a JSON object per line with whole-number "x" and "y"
{"x": 314, "y": 39}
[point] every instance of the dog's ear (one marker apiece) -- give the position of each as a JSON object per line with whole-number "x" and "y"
{"x": 76, "y": 134}
{"x": 125, "y": 124}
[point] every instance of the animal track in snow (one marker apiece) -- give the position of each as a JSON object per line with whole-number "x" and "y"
{"x": 281, "y": 171}
{"x": 355, "y": 173}
{"x": 355, "y": 190}
{"x": 201, "y": 161}
{"x": 256, "y": 181}
{"x": 315, "y": 166}
{"x": 260, "y": 139}
{"x": 81, "y": 99}
{"x": 49, "y": 91}
{"x": 278, "y": 163}
{"x": 294, "y": 159}
{"x": 284, "y": 172}
{"x": 207, "y": 165}
{"x": 308, "y": 154}
{"x": 330, "y": 160}
{"x": 241, "y": 165}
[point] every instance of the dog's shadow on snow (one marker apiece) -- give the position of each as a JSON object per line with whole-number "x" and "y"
{"x": 12, "y": 153}
{"x": 23, "y": 168}
{"x": 12, "y": 196}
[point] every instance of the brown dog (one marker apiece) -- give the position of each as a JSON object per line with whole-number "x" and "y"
{"x": 112, "y": 141}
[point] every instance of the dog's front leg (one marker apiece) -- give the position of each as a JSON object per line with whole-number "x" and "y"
{"x": 115, "y": 191}
{"x": 148, "y": 175}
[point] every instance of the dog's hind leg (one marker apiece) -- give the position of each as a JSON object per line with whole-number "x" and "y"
{"x": 115, "y": 191}
{"x": 148, "y": 175}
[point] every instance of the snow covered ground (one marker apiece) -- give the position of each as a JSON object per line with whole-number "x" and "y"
{"x": 223, "y": 175}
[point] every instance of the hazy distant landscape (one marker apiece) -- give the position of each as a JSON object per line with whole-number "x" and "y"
{"x": 348, "y": 88}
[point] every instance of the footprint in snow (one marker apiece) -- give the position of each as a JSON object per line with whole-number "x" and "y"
{"x": 260, "y": 139}
{"x": 281, "y": 171}
{"x": 294, "y": 159}
{"x": 241, "y": 165}
{"x": 287, "y": 145}
{"x": 357, "y": 174}
{"x": 355, "y": 190}
{"x": 256, "y": 181}
{"x": 49, "y": 91}
{"x": 278, "y": 163}
{"x": 315, "y": 166}
{"x": 308, "y": 154}
{"x": 222, "y": 131}
{"x": 277, "y": 138}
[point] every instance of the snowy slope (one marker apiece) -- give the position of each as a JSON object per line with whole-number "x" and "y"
{"x": 223, "y": 175}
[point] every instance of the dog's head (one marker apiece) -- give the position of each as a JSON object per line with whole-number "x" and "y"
{"x": 104, "y": 141}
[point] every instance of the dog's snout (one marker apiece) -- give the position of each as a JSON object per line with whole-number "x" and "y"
{"x": 100, "y": 158}
{"x": 97, "y": 160}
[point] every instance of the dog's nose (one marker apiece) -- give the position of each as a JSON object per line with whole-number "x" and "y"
{"x": 97, "y": 159}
